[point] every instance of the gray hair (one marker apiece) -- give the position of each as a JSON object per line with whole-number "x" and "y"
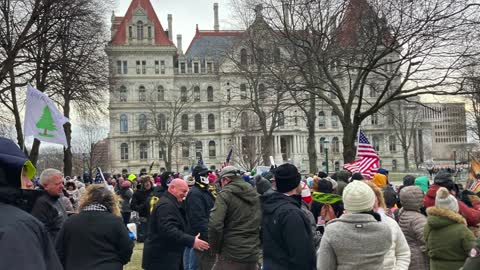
{"x": 47, "y": 174}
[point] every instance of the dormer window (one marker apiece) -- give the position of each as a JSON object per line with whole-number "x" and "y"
{"x": 140, "y": 30}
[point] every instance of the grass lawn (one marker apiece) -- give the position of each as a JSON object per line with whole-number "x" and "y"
{"x": 136, "y": 260}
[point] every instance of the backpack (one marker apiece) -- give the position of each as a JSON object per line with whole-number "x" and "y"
{"x": 327, "y": 213}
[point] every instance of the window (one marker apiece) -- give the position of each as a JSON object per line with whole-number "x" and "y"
{"x": 244, "y": 120}
{"x": 211, "y": 149}
{"x": 196, "y": 93}
{"x": 198, "y": 149}
{"x": 209, "y": 93}
{"x": 322, "y": 145}
{"x": 211, "y": 122}
{"x": 144, "y": 67}
{"x": 374, "y": 119}
{"x": 130, "y": 32}
{"x": 183, "y": 94}
{"x": 143, "y": 151}
{"x": 392, "y": 144}
{"x": 142, "y": 122}
{"x": 140, "y": 30}
{"x": 185, "y": 122}
{"x": 160, "y": 93}
{"x": 162, "y": 122}
{"x": 157, "y": 67}
{"x": 123, "y": 94}
{"x": 321, "y": 119}
{"x": 183, "y": 69}
{"x": 124, "y": 151}
{"x": 162, "y": 67}
{"x": 125, "y": 67}
{"x": 123, "y": 123}
{"x": 229, "y": 97}
{"x": 185, "y": 149}
{"x": 138, "y": 67}
{"x": 149, "y": 32}
{"x": 198, "y": 122}
{"x": 281, "y": 119}
{"x": 119, "y": 67}
{"x": 261, "y": 91}
{"x": 243, "y": 57}
{"x": 196, "y": 67}
{"x": 335, "y": 145}
{"x": 243, "y": 91}
{"x": 376, "y": 143}
{"x": 141, "y": 93}
{"x": 162, "y": 149}
{"x": 334, "y": 120}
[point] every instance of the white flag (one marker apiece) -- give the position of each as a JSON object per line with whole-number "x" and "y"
{"x": 43, "y": 120}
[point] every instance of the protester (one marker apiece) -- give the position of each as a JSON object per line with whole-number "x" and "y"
{"x": 126, "y": 194}
{"x": 358, "y": 239}
{"x": 24, "y": 241}
{"x": 412, "y": 223}
{"x": 96, "y": 238}
{"x": 141, "y": 204}
{"x": 234, "y": 224}
{"x": 167, "y": 236}
{"x": 448, "y": 239}
{"x": 48, "y": 207}
{"x": 286, "y": 232}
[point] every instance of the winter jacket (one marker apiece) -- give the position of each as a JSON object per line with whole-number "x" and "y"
{"x": 234, "y": 224}
{"x": 398, "y": 256}
{"x": 126, "y": 195}
{"x": 139, "y": 202}
{"x": 94, "y": 240}
{"x": 470, "y": 214}
{"x": 198, "y": 204}
{"x": 422, "y": 182}
{"x": 51, "y": 212}
{"x": 448, "y": 239}
{"x": 412, "y": 222}
{"x": 167, "y": 238}
{"x": 354, "y": 242}
{"x": 286, "y": 234}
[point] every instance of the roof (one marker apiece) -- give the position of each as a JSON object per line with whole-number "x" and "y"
{"x": 212, "y": 43}
{"x": 120, "y": 37}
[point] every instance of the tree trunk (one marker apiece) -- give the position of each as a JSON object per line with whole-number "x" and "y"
{"x": 349, "y": 137}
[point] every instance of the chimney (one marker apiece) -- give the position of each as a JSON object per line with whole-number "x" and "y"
{"x": 170, "y": 31}
{"x": 286, "y": 14}
{"x": 216, "y": 26}
{"x": 179, "y": 44}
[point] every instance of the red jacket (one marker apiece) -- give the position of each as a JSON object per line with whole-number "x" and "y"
{"x": 471, "y": 215}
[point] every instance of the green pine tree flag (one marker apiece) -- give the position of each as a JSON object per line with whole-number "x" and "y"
{"x": 46, "y": 123}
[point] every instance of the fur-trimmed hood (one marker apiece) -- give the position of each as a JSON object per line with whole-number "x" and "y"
{"x": 439, "y": 217}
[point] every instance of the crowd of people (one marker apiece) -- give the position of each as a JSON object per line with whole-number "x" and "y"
{"x": 229, "y": 219}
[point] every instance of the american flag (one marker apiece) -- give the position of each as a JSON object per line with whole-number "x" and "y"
{"x": 367, "y": 160}
{"x": 227, "y": 160}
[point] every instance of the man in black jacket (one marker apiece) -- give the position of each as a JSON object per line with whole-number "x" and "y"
{"x": 167, "y": 237}
{"x": 199, "y": 202}
{"x": 287, "y": 237}
{"x": 24, "y": 242}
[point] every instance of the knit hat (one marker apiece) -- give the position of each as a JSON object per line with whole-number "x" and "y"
{"x": 287, "y": 177}
{"x": 445, "y": 200}
{"x": 306, "y": 194}
{"x": 358, "y": 197}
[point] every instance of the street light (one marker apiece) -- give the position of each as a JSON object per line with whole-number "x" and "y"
{"x": 325, "y": 146}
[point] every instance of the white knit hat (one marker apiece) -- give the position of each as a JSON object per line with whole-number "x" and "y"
{"x": 358, "y": 197}
{"x": 445, "y": 200}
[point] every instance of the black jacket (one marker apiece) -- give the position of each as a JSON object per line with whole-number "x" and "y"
{"x": 50, "y": 211}
{"x": 286, "y": 233}
{"x": 24, "y": 242}
{"x": 167, "y": 236}
{"x": 94, "y": 240}
{"x": 198, "y": 204}
{"x": 139, "y": 202}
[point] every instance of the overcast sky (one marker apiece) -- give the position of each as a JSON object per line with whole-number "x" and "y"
{"x": 186, "y": 14}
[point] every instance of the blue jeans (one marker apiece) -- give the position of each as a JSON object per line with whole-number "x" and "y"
{"x": 189, "y": 259}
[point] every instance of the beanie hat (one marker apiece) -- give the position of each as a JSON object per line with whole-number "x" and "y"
{"x": 306, "y": 194}
{"x": 358, "y": 197}
{"x": 287, "y": 177}
{"x": 445, "y": 200}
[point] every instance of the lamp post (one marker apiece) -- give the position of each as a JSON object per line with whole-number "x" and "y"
{"x": 325, "y": 146}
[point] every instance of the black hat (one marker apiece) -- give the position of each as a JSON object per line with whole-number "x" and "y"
{"x": 287, "y": 177}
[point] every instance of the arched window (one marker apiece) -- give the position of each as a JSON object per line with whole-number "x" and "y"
{"x": 141, "y": 93}
{"x": 185, "y": 149}
{"x": 123, "y": 94}
{"x": 196, "y": 93}
{"x": 243, "y": 57}
{"x": 211, "y": 149}
{"x": 142, "y": 122}
{"x": 140, "y": 30}
{"x": 198, "y": 122}
{"x": 160, "y": 93}
{"x": 161, "y": 122}
{"x": 322, "y": 145}
{"x": 244, "y": 120}
{"x": 281, "y": 119}
{"x": 243, "y": 91}
{"x": 143, "y": 151}
{"x": 124, "y": 151}
{"x": 162, "y": 149}
{"x": 335, "y": 145}
{"x": 334, "y": 120}
{"x": 321, "y": 119}
{"x": 198, "y": 149}
{"x": 185, "y": 122}
{"x": 123, "y": 123}
{"x": 183, "y": 94}
{"x": 376, "y": 143}
{"x": 209, "y": 93}
{"x": 211, "y": 122}
{"x": 261, "y": 91}
{"x": 392, "y": 143}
